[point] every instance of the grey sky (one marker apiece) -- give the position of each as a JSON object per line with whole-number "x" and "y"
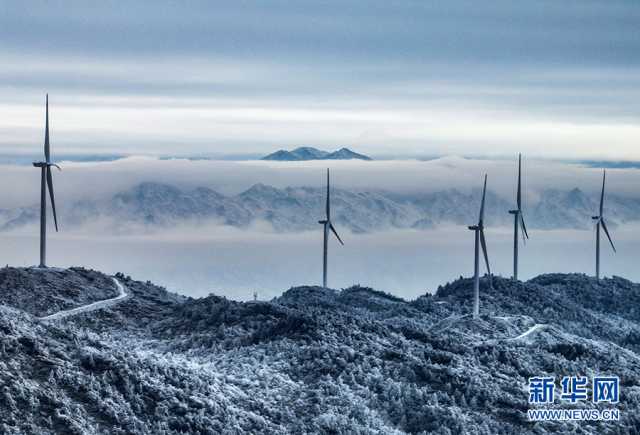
{"x": 554, "y": 79}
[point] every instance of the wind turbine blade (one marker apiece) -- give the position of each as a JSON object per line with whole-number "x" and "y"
{"x": 328, "y": 206}
{"x": 483, "y": 242}
{"x": 53, "y": 201}
{"x": 604, "y": 176}
{"x": 519, "y": 199}
{"x": 47, "y": 151}
{"x": 484, "y": 193}
{"x": 336, "y": 233}
{"x": 604, "y": 227}
{"x": 524, "y": 227}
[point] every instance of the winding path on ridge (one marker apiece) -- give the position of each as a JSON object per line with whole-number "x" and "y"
{"x": 534, "y": 328}
{"x": 122, "y": 295}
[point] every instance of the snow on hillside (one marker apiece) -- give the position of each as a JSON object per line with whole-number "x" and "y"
{"x": 318, "y": 361}
{"x": 310, "y": 153}
{"x": 42, "y": 292}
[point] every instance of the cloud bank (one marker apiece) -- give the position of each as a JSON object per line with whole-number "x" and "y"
{"x": 19, "y": 185}
{"x": 207, "y": 258}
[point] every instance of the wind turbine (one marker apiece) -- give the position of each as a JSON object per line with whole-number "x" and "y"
{"x": 518, "y": 220}
{"x": 328, "y": 225}
{"x": 480, "y": 240}
{"x": 601, "y": 223}
{"x": 46, "y": 181}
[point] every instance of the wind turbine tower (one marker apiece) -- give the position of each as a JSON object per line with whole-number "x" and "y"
{"x": 479, "y": 241}
{"x": 601, "y": 223}
{"x": 46, "y": 183}
{"x": 518, "y": 220}
{"x": 328, "y": 225}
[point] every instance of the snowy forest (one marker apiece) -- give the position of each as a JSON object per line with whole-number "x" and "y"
{"x": 313, "y": 360}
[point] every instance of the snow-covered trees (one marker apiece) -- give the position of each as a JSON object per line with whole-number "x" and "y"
{"x": 315, "y": 361}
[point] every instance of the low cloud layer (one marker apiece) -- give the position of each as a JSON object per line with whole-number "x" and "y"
{"x": 19, "y": 185}
{"x": 198, "y": 259}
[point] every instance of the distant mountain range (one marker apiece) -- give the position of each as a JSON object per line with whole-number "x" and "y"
{"x": 310, "y": 153}
{"x": 298, "y": 209}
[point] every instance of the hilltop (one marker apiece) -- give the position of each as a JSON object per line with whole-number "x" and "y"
{"x": 41, "y": 292}
{"x": 313, "y": 360}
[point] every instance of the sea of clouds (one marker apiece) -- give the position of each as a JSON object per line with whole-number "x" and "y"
{"x": 198, "y": 259}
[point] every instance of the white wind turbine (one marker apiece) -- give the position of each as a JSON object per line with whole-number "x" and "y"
{"x": 601, "y": 223}
{"x": 479, "y": 241}
{"x": 518, "y": 220}
{"x": 328, "y": 225}
{"x": 46, "y": 183}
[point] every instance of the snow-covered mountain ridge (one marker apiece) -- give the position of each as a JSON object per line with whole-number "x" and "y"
{"x": 310, "y": 153}
{"x": 156, "y": 205}
{"x": 314, "y": 360}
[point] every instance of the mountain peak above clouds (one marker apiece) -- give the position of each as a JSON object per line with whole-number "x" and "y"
{"x": 310, "y": 153}
{"x": 346, "y": 154}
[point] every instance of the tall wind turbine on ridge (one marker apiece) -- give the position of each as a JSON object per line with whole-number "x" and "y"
{"x": 46, "y": 182}
{"x": 601, "y": 223}
{"x": 480, "y": 240}
{"x": 518, "y": 220}
{"x": 328, "y": 225}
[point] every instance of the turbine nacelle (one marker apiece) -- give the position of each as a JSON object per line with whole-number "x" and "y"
{"x": 45, "y": 164}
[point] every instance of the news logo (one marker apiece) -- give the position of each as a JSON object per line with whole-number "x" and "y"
{"x": 574, "y": 389}
{"x": 541, "y": 390}
{"x": 606, "y": 389}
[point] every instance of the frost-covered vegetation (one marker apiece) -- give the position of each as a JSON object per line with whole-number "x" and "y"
{"x": 42, "y": 292}
{"x": 315, "y": 360}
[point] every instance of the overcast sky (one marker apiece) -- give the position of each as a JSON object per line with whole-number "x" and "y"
{"x": 399, "y": 78}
